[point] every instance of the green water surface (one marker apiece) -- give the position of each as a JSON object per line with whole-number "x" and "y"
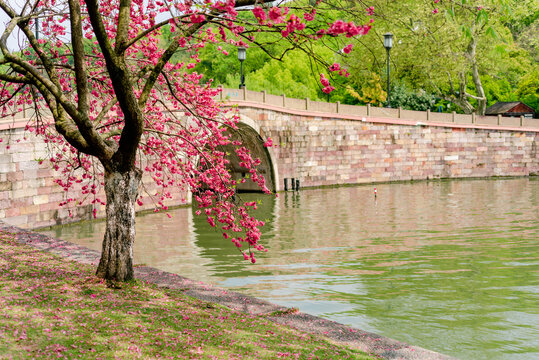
{"x": 452, "y": 266}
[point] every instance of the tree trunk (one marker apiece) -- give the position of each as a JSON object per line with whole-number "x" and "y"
{"x": 121, "y": 189}
{"x": 481, "y": 98}
{"x": 482, "y": 102}
{"x": 461, "y": 99}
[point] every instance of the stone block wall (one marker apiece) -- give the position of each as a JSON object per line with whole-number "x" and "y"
{"x": 324, "y": 151}
{"x": 29, "y": 197}
{"x": 316, "y": 148}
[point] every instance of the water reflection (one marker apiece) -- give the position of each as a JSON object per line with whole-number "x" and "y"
{"x": 451, "y": 266}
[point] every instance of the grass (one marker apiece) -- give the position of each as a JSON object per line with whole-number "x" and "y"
{"x": 54, "y": 308}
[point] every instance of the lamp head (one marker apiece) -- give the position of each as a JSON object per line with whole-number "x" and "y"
{"x": 388, "y": 40}
{"x": 242, "y": 53}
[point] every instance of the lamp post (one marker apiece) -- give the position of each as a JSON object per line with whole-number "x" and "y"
{"x": 242, "y": 54}
{"x": 388, "y": 44}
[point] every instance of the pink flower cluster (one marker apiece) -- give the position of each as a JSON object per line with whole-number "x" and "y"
{"x": 325, "y": 82}
{"x": 349, "y": 29}
{"x": 197, "y": 18}
{"x": 335, "y": 67}
{"x": 293, "y": 24}
{"x": 259, "y": 14}
{"x": 347, "y": 49}
{"x": 276, "y": 15}
{"x": 228, "y": 7}
{"x": 310, "y": 16}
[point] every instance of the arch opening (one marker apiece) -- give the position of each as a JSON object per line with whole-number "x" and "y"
{"x": 254, "y": 142}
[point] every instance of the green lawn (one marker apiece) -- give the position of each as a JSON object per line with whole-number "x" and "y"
{"x": 54, "y": 308}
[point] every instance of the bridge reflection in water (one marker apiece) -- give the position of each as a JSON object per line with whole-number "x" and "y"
{"x": 449, "y": 266}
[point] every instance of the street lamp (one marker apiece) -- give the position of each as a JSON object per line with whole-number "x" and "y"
{"x": 242, "y": 54}
{"x": 388, "y": 44}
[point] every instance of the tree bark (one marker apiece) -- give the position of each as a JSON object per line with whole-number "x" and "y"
{"x": 121, "y": 189}
{"x": 481, "y": 98}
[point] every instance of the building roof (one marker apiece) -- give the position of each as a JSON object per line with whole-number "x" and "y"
{"x": 505, "y": 107}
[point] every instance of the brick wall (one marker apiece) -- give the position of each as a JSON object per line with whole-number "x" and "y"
{"x": 29, "y": 198}
{"x": 329, "y": 151}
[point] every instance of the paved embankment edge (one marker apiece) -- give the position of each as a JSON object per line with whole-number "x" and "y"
{"x": 382, "y": 346}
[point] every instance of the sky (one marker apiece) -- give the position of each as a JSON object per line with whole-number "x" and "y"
{"x": 14, "y": 41}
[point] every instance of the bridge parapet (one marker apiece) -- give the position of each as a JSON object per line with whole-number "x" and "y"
{"x": 337, "y": 109}
{"x": 342, "y": 110}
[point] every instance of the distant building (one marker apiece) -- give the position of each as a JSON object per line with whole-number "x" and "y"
{"x": 511, "y": 109}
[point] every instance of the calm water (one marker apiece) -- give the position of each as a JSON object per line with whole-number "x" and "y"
{"x": 449, "y": 266}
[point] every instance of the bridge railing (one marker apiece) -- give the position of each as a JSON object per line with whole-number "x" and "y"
{"x": 232, "y": 95}
{"x": 261, "y": 97}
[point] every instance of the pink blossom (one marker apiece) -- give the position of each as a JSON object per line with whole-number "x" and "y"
{"x": 259, "y": 13}
{"x": 309, "y": 16}
{"x": 352, "y": 29}
{"x": 335, "y": 67}
{"x": 275, "y": 15}
{"x": 268, "y": 142}
{"x": 323, "y": 80}
{"x": 338, "y": 27}
{"x": 347, "y": 49}
{"x": 435, "y": 11}
{"x": 293, "y": 24}
{"x": 328, "y": 89}
{"x": 197, "y": 18}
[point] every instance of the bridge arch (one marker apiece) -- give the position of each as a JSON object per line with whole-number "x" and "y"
{"x": 249, "y": 134}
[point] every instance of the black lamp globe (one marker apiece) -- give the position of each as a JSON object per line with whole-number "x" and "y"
{"x": 242, "y": 55}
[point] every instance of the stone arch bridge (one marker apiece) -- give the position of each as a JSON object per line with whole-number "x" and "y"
{"x": 324, "y": 144}
{"x": 321, "y": 144}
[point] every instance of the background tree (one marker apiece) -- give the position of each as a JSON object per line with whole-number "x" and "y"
{"x": 102, "y": 70}
{"x": 430, "y": 59}
{"x": 463, "y": 52}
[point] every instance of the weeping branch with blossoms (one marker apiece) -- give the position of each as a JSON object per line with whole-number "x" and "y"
{"x": 102, "y": 74}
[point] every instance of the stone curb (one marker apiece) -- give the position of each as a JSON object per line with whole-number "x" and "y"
{"x": 371, "y": 343}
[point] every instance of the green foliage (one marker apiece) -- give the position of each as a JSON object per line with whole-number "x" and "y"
{"x": 406, "y": 98}
{"x": 428, "y": 56}
{"x": 528, "y": 89}
{"x": 431, "y": 52}
{"x": 371, "y": 90}
{"x": 293, "y": 77}
{"x": 497, "y": 89}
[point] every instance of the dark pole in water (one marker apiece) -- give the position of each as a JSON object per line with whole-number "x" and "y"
{"x": 297, "y": 185}
{"x": 293, "y": 184}
{"x": 285, "y": 184}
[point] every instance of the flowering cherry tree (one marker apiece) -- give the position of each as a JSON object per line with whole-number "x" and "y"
{"x": 112, "y": 105}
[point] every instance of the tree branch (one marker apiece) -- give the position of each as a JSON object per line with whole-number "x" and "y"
{"x": 122, "y": 32}
{"x": 123, "y": 88}
{"x": 81, "y": 77}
